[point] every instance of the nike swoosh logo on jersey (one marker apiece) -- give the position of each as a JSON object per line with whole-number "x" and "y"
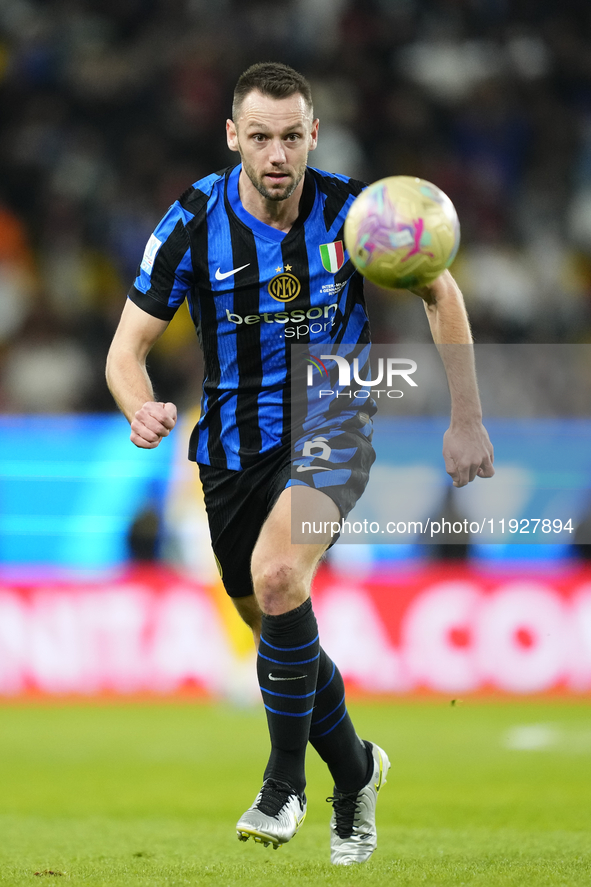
{"x": 312, "y": 468}
{"x": 222, "y": 276}
{"x": 296, "y": 678}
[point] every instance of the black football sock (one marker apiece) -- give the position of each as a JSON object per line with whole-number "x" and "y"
{"x": 332, "y": 733}
{"x": 287, "y": 668}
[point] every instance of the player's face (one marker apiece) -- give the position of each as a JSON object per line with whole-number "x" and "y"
{"x": 273, "y": 137}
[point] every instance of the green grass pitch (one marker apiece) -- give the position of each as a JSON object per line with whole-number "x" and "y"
{"x": 148, "y": 794}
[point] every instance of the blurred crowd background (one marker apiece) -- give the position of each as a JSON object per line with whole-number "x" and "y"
{"x": 110, "y": 108}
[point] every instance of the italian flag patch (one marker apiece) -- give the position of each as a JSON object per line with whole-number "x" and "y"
{"x": 332, "y": 255}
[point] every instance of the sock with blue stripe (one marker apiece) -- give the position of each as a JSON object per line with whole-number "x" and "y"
{"x": 287, "y": 668}
{"x": 332, "y": 732}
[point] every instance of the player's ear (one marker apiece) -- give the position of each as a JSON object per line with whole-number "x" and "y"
{"x": 314, "y": 134}
{"x": 232, "y": 135}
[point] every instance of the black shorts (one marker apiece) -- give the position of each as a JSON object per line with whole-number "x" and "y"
{"x": 238, "y": 502}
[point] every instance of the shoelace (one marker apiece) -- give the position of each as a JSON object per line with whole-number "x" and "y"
{"x": 274, "y": 796}
{"x": 345, "y": 807}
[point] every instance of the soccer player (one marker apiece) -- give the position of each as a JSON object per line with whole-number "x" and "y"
{"x": 257, "y": 252}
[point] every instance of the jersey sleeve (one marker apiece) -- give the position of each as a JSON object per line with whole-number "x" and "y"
{"x": 165, "y": 274}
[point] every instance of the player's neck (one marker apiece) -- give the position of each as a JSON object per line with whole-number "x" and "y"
{"x": 280, "y": 214}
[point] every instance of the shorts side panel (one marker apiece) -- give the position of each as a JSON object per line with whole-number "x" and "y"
{"x": 337, "y": 463}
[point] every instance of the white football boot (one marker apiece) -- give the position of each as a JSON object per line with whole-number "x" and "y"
{"x": 353, "y": 835}
{"x": 275, "y": 816}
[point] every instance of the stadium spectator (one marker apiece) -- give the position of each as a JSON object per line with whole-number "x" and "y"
{"x": 107, "y": 109}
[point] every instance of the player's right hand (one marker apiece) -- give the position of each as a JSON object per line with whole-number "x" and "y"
{"x": 151, "y": 423}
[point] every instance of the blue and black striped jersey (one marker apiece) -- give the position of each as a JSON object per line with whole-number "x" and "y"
{"x": 253, "y": 291}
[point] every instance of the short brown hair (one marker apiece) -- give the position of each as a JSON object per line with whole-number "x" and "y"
{"x": 272, "y": 79}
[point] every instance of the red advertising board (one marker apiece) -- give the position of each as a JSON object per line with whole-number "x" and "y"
{"x": 452, "y": 629}
{"x": 442, "y": 629}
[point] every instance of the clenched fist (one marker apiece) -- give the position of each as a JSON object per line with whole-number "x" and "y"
{"x": 151, "y": 423}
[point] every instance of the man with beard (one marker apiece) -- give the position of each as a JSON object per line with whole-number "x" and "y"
{"x": 257, "y": 251}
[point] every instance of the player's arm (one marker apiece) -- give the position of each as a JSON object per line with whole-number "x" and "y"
{"x": 467, "y": 449}
{"x": 128, "y": 378}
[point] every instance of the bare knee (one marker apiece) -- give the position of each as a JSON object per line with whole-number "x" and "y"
{"x": 279, "y": 587}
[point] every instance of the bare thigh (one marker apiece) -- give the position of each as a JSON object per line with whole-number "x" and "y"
{"x": 282, "y": 571}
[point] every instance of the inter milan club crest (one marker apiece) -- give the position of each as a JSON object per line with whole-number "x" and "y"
{"x": 284, "y": 287}
{"x": 333, "y": 256}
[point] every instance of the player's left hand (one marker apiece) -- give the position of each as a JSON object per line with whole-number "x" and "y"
{"x": 468, "y": 453}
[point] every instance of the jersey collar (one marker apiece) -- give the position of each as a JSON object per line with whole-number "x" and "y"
{"x": 306, "y": 203}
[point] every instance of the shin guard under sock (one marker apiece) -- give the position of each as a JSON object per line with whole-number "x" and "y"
{"x": 332, "y": 733}
{"x": 287, "y": 668}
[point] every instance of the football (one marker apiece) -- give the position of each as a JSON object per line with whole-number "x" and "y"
{"x": 402, "y": 232}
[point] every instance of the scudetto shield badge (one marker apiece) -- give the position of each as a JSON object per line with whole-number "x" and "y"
{"x": 333, "y": 256}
